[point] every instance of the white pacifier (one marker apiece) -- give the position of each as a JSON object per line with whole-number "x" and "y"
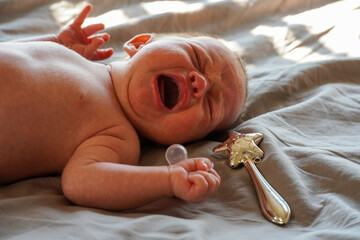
{"x": 175, "y": 153}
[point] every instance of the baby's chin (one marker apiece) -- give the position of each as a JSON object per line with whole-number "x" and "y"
{"x": 167, "y": 139}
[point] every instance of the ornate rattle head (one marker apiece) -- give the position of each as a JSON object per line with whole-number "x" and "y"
{"x": 240, "y": 147}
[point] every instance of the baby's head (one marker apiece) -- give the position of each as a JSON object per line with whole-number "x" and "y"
{"x": 179, "y": 89}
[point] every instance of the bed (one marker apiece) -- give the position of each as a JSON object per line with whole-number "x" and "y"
{"x": 303, "y": 66}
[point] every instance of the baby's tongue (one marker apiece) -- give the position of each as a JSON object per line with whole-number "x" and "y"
{"x": 169, "y": 91}
{"x": 171, "y": 94}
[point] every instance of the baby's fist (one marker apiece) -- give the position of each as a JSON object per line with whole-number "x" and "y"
{"x": 194, "y": 179}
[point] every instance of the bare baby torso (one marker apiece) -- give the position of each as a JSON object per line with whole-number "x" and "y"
{"x": 51, "y": 100}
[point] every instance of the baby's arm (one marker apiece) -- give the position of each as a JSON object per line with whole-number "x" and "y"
{"x": 82, "y": 40}
{"x": 95, "y": 178}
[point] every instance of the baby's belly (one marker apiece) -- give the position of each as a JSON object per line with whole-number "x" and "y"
{"x": 29, "y": 148}
{"x": 23, "y": 163}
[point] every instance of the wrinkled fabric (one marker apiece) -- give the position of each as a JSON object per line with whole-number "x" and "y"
{"x": 303, "y": 65}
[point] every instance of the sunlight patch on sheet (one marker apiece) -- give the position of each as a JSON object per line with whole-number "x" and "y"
{"x": 233, "y": 46}
{"x": 291, "y": 42}
{"x": 315, "y": 34}
{"x": 329, "y": 30}
{"x": 160, "y": 7}
{"x": 64, "y": 12}
{"x": 109, "y": 19}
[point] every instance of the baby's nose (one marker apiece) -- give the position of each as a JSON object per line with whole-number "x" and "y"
{"x": 198, "y": 84}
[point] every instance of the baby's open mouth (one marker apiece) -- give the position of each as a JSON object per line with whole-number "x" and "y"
{"x": 168, "y": 90}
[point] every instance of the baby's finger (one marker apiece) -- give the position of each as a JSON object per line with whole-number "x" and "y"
{"x": 203, "y": 164}
{"x": 198, "y": 191}
{"x": 195, "y": 164}
{"x": 92, "y": 47}
{"x": 213, "y": 182}
{"x": 212, "y": 171}
{"x": 189, "y": 164}
{"x": 82, "y": 16}
{"x": 104, "y": 36}
{"x": 93, "y": 28}
{"x": 102, "y": 54}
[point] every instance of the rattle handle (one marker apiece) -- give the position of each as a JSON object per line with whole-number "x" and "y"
{"x": 273, "y": 206}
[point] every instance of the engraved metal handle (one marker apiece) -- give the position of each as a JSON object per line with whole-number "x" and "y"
{"x": 273, "y": 206}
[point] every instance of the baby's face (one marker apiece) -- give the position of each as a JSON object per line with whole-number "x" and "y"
{"x": 176, "y": 90}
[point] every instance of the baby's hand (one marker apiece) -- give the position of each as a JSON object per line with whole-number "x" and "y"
{"x": 83, "y": 40}
{"x": 193, "y": 179}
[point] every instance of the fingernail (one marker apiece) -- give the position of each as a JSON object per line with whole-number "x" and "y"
{"x": 212, "y": 165}
{"x": 206, "y": 166}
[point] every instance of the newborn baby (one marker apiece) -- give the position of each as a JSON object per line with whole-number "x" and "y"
{"x": 61, "y": 114}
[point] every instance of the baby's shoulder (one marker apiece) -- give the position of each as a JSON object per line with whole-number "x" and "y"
{"x": 36, "y": 51}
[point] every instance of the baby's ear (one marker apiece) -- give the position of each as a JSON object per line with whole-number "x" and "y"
{"x": 132, "y": 46}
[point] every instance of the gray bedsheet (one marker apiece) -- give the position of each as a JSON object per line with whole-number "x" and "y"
{"x": 303, "y": 63}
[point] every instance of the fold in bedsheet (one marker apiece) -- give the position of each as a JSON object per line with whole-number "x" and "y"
{"x": 303, "y": 63}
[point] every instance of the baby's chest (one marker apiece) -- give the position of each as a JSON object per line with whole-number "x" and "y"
{"x": 54, "y": 104}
